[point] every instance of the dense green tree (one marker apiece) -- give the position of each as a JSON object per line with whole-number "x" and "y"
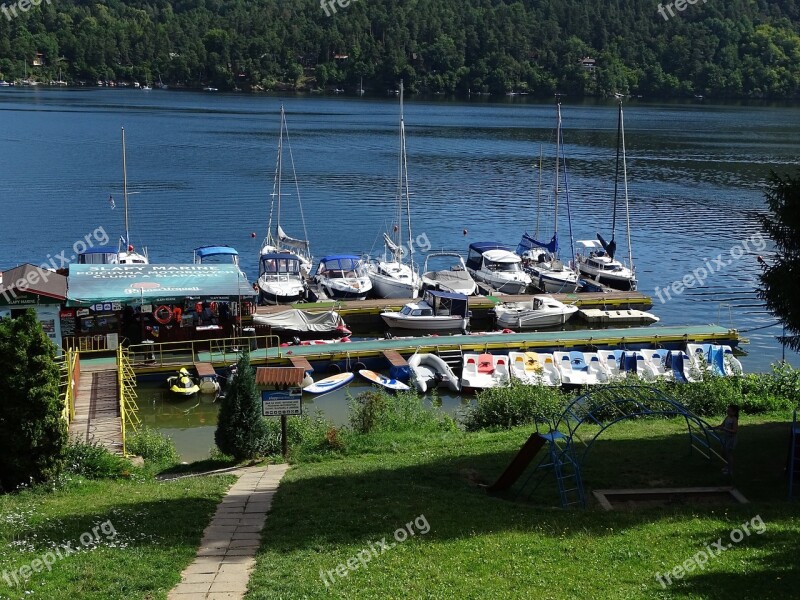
{"x": 33, "y": 434}
{"x": 241, "y": 429}
{"x": 781, "y": 276}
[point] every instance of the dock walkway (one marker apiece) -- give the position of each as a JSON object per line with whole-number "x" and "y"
{"x": 97, "y": 414}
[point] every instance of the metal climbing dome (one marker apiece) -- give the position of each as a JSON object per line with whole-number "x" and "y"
{"x": 567, "y": 450}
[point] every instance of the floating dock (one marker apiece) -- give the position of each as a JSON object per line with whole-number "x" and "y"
{"x": 97, "y": 408}
{"x": 373, "y": 353}
{"x": 365, "y": 314}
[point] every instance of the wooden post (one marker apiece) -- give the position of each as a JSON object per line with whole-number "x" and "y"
{"x": 284, "y": 441}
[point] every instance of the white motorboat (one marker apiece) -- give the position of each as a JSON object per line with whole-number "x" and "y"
{"x": 391, "y": 277}
{"x": 483, "y": 371}
{"x": 540, "y": 312}
{"x": 497, "y": 266}
{"x": 597, "y": 261}
{"x": 437, "y": 311}
{"x": 279, "y": 242}
{"x": 343, "y": 277}
{"x": 429, "y": 371}
{"x": 534, "y": 368}
{"x": 280, "y": 278}
{"x": 629, "y": 316}
{"x": 596, "y": 264}
{"x": 453, "y": 279}
{"x": 580, "y": 368}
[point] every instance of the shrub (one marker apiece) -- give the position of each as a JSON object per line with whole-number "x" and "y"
{"x": 33, "y": 436}
{"x": 377, "y": 410}
{"x": 240, "y": 427}
{"x": 302, "y": 432}
{"x": 94, "y": 462}
{"x": 153, "y": 447}
{"x": 514, "y": 405}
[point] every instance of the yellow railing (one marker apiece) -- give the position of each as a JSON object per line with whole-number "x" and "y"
{"x": 126, "y": 379}
{"x": 94, "y": 343}
{"x": 181, "y": 354}
{"x": 68, "y": 384}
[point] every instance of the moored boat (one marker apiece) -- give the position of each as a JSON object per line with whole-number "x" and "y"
{"x": 534, "y": 368}
{"x": 429, "y": 371}
{"x": 343, "y": 277}
{"x": 540, "y": 312}
{"x": 497, "y": 266}
{"x": 483, "y": 371}
{"x": 453, "y": 279}
{"x": 437, "y": 311}
{"x": 182, "y": 384}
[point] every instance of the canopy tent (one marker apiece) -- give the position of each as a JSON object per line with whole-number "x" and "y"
{"x": 155, "y": 284}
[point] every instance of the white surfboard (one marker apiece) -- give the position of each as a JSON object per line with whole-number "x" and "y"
{"x": 382, "y": 380}
{"x": 334, "y": 382}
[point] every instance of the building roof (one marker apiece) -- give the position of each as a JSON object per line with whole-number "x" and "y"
{"x": 31, "y": 279}
{"x": 279, "y": 376}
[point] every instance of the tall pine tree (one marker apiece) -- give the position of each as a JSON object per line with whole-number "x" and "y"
{"x": 32, "y": 433}
{"x": 241, "y": 429}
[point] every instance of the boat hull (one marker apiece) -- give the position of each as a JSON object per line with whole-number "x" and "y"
{"x": 398, "y": 321}
{"x": 553, "y": 284}
{"x": 384, "y": 286}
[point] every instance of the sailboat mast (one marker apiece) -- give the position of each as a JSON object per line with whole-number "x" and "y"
{"x": 125, "y": 189}
{"x": 280, "y": 172}
{"x": 616, "y": 174}
{"x": 539, "y": 192}
{"x": 558, "y": 155}
{"x": 625, "y": 180}
{"x": 405, "y": 179}
{"x": 399, "y": 224}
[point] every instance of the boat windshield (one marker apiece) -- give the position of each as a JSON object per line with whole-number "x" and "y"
{"x": 343, "y": 268}
{"x": 280, "y": 266}
{"x": 504, "y": 267}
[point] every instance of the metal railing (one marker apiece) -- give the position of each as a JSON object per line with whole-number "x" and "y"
{"x": 70, "y": 368}
{"x": 126, "y": 379}
{"x": 181, "y": 354}
{"x": 94, "y": 343}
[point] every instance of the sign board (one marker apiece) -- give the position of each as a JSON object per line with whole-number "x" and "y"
{"x": 277, "y": 403}
{"x": 67, "y": 318}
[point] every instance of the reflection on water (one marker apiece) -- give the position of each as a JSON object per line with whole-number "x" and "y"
{"x": 191, "y": 422}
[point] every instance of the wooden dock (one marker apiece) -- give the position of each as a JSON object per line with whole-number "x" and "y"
{"x": 97, "y": 414}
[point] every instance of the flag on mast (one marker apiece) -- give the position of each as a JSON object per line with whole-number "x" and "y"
{"x": 111, "y": 202}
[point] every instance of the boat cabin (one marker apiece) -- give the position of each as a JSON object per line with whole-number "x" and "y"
{"x": 445, "y": 304}
{"x": 216, "y": 255}
{"x": 99, "y": 255}
{"x": 492, "y": 256}
{"x": 341, "y": 266}
{"x": 279, "y": 264}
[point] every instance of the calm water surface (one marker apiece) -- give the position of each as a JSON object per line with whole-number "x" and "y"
{"x": 201, "y": 167}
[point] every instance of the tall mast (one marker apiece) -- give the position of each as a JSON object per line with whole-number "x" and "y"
{"x": 405, "y": 179}
{"x": 558, "y": 155}
{"x": 125, "y": 189}
{"x": 616, "y": 174}
{"x": 539, "y": 192}
{"x": 625, "y": 180}
{"x": 280, "y": 173}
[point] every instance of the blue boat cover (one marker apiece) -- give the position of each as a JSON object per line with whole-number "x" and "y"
{"x": 527, "y": 242}
{"x": 486, "y": 246}
{"x": 718, "y": 361}
{"x": 205, "y": 251}
{"x": 101, "y": 250}
{"x": 333, "y": 257}
{"x": 577, "y": 361}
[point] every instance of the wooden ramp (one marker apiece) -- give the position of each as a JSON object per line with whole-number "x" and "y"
{"x": 97, "y": 418}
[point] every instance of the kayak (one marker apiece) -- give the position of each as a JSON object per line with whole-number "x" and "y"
{"x": 382, "y": 380}
{"x": 334, "y": 382}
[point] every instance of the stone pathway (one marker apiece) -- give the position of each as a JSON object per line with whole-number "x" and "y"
{"x": 227, "y": 551}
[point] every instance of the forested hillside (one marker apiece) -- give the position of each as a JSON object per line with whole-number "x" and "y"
{"x": 721, "y": 48}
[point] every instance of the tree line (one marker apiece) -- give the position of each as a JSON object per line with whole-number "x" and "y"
{"x": 723, "y": 48}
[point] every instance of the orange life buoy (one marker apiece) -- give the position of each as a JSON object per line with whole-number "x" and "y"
{"x": 213, "y": 307}
{"x": 198, "y": 307}
{"x": 162, "y": 314}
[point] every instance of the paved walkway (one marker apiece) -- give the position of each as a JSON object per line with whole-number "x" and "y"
{"x": 230, "y": 542}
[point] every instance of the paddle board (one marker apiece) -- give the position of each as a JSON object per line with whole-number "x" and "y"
{"x": 334, "y": 382}
{"x": 377, "y": 378}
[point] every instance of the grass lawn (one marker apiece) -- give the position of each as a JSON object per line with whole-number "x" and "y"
{"x": 158, "y": 527}
{"x": 479, "y": 546}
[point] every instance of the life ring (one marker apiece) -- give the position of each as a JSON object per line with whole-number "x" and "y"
{"x": 162, "y": 314}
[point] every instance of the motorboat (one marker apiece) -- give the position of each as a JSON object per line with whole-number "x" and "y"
{"x": 205, "y": 255}
{"x": 278, "y": 241}
{"x": 534, "y": 368}
{"x": 580, "y": 368}
{"x": 622, "y": 316}
{"x": 392, "y": 277}
{"x": 437, "y": 311}
{"x": 297, "y": 322}
{"x": 280, "y": 278}
{"x": 455, "y": 279}
{"x": 343, "y": 277}
{"x": 429, "y": 371}
{"x": 497, "y": 266}
{"x": 182, "y": 384}
{"x": 483, "y": 371}
{"x": 596, "y": 264}
{"x": 540, "y": 312}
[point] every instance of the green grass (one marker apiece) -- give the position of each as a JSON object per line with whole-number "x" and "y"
{"x": 481, "y": 546}
{"x": 158, "y": 526}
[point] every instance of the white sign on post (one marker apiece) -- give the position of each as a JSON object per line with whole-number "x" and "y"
{"x": 279, "y": 403}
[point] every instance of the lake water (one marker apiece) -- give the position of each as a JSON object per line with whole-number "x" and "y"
{"x": 201, "y": 168}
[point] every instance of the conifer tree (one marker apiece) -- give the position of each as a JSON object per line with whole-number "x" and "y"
{"x": 241, "y": 428}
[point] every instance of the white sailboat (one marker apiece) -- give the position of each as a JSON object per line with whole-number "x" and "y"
{"x": 284, "y": 262}
{"x": 540, "y": 260}
{"x": 394, "y": 278}
{"x": 596, "y": 260}
{"x": 126, "y": 254}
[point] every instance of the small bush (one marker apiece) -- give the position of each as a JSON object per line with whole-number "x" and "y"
{"x": 94, "y": 462}
{"x": 517, "y": 404}
{"x": 377, "y": 410}
{"x": 302, "y": 432}
{"x": 154, "y": 447}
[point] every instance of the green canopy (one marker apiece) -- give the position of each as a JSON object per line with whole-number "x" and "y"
{"x": 155, "y": 284}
